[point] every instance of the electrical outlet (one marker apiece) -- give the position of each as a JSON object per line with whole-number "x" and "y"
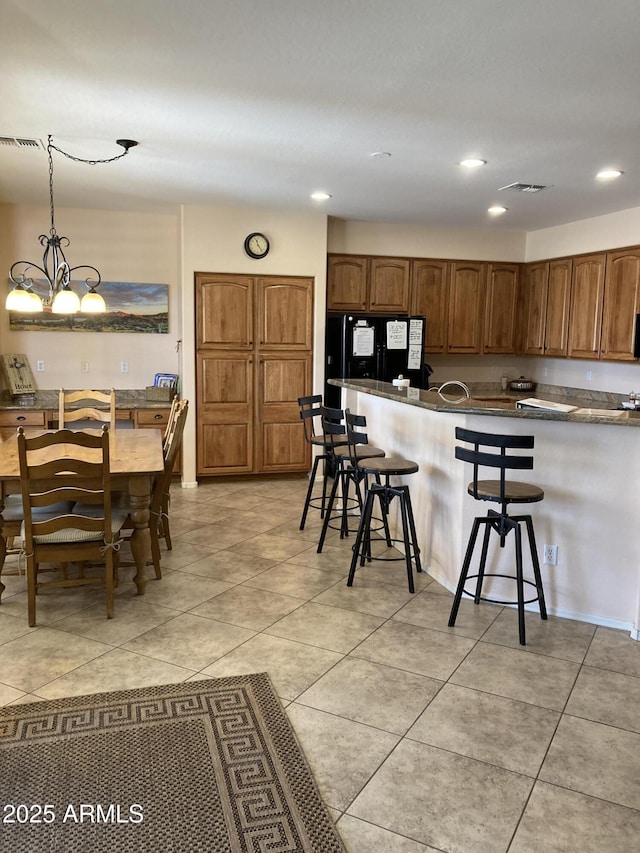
{"x": 124, "y": 367}
{"x": 84, "y": 367}
{"x": 589, "y": 375}
{"x": 40, "y": 366}
{"x": 551, "y": 555}
{"x": 545, "y": 371}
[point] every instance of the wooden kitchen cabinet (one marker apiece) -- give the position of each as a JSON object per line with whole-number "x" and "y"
{"x": 547, "y": 287}
{"x": 430, "y": 297}
{"x": 347, "y": 283}
{"x": 501, "y": 301}
{"x": 466, "y": 300}
{"x": 621, "y": 304}
{"x": 285, "y": 313}
{"x": 224, "y": 311}
{"x": 372, "y": 284}
{"x": 225, "y": 405}
{"x": 585, "y": 314}
{"x": 281, "y": 380}
{"x": 388, "y": 285}
{"x": 535, "y": 287}
{"x": 248, "y": 417}
{"x": 556, "y": 335}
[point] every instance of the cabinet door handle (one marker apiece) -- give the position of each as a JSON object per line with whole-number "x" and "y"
{"x": 21, "y": 418}
{"x": 158, "y": 417}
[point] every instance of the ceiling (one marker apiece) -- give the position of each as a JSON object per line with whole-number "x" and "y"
{"x": 262, "y": 102}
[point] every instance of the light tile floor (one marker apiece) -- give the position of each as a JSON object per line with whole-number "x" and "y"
{"x": 421, "y": 737}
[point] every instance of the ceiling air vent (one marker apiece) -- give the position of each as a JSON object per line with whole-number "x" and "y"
{"x": 20, "y": 142}
{"x": 524, "y": 188}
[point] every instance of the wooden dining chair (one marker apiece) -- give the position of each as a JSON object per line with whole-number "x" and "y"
{"x": 68, "y": 466}
{"x": 89, "y": 412}
{"x": 160, "y": 495}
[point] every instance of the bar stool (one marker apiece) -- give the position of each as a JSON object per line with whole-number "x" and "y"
{"x": 503, "y": 492}
{"x": 347, "y": 472}
{"x": 385, "y": 468}
{"x": 311, "y": 409}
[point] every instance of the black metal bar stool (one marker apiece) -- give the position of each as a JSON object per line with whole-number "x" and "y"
{"x": 385, "y": 492}
{"x": 346, "y": 473}
{"x": 311, "y": 409}
{"x": 503, "y": 492}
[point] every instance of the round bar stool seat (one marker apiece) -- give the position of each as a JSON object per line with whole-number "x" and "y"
{"x": 385, "y": 492}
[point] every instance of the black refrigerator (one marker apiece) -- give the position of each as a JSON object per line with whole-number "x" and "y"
{"x": 373, "y": 346}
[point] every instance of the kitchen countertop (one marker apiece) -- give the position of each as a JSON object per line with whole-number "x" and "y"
{"x": 48, "y": 400}
{"x": 592, "y": 407}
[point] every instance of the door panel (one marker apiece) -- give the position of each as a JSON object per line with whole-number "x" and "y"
{"x": 285, "y": 314}
{"x": 281, "y": 380}
{"x": 224, "y": 311}
{"x": 225, "y": 413}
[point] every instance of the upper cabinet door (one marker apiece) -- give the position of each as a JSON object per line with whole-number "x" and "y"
{"x": 285, "y": 313}
{"x": 430, "y": 297}
{"x": 389, "y": 285}
{"x": 585, "y": 318}
{"x": 466, "y": 298}
{"x": 536, "y": 286}
{"x": 347, "y": 283}
{"x": 556, "y": 335}
{"x": 225, "y": 311}
{"x": 621, "y": 304}
{"x": 500, "y": 308}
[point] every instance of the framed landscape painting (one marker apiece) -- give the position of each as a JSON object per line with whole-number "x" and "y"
{"x": 131, "y": 307}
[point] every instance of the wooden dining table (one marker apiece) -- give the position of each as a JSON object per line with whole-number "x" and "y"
{"x": 135, "y": 459}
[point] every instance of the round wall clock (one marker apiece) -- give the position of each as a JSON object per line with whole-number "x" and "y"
{"x": 256, "y": 245}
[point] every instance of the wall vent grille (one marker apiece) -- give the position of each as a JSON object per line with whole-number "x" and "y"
{"x": 524, "y": 188}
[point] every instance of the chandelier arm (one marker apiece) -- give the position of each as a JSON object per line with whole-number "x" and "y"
{"x": 89, "y": 282}
{"x": 21, "y": 278}
{"x": 126, "y": 144}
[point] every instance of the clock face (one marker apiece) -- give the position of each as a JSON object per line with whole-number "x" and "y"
{"x": 256, "y": 245}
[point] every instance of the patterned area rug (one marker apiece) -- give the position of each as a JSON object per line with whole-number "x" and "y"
{"x": 203, "y": 766}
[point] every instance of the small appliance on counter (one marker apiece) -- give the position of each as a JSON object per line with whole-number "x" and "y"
{"x": 522, "y": 384}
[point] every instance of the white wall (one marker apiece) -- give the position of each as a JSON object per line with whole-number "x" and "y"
{"x": 213, "y": 241}
{"x": 136, "y": 247}
{"x": 615, "y": 230}
{"x": 415, "y": 241}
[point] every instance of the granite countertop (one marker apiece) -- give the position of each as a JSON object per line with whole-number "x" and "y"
{"x": 48, "y": 400}
{"x": 596, "y": 407}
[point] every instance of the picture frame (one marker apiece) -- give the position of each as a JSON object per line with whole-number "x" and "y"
{"x": 165, "y": 380}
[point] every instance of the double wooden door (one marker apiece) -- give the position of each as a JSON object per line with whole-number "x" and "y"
{"x": 254, "y": 359}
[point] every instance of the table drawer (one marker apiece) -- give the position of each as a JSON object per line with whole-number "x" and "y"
{"x": 23, "y": 418}
{"x": 152, "y": 418}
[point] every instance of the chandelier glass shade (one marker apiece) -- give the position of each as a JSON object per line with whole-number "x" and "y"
{"x": 55, "y": 273}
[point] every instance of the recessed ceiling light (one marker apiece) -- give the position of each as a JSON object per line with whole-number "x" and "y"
{"x": 320, "y": 196}
{"x": 497, "y": 209}
{"x": 381, "y": 155}
{"x": 608, "y": 174}
{"x": 473, "y": 163}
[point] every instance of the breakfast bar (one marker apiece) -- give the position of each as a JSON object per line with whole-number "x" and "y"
{"x": 587, "y": 460}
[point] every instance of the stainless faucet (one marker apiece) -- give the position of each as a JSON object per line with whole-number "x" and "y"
{"x": 457, "y": 383}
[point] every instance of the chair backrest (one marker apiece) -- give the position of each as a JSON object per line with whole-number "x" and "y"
{"x": 66, "y": 416}
{"x": 311, "y": 415}
{"x": 61, "y": 466}
{"x": 163, "y": 481}
{"x": 171, "y": 424}
{"x": 481, "y": 458}
{"x": 356, "y": 424}
{"x": 333, "y": 429}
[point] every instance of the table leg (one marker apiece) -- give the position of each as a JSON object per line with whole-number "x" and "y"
{"x": 139, "y": 501}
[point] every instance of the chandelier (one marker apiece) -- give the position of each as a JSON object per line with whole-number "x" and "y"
{"x": 57, "y": 272}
